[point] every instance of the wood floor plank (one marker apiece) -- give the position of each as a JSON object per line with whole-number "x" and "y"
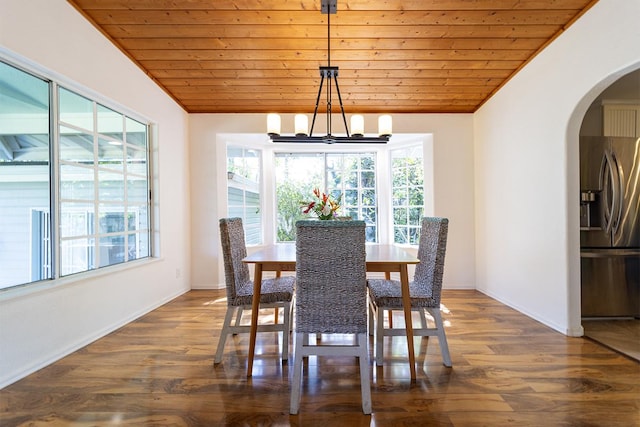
{"x": 158, "y": 370}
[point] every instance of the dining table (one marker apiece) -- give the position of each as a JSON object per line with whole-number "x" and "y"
{"x": 379, "y": 258}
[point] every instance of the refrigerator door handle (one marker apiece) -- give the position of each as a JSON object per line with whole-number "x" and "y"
{"x": 617, "y": 193}
{"x": 608, "y": 183}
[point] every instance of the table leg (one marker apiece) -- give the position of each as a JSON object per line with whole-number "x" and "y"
{"x": 255, "y": 307}
{"x": 275, "y": 312}
{"x": 406, "y": 302}
{"x": 387, "y": 276}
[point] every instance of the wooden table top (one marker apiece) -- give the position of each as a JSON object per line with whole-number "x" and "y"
{"x": 376, "y": 254}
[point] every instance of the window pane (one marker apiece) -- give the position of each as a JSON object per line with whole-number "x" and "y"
{"x": 350, "y": 198}
{"x": 351, "y": 180}
{"x": 367, "y": 162}
{"x": 111, "y": 154}
{"x": 137, "y": 190}
{"x": 110, "y": 186}
{"x": 76, "y": 182}
{"x": 416, "y": 196}
{"x": 368, "y": 198}
{"x": 112, "y": 250}
{"x": 138, "y": 246}
{"x": 25, "y": 220}
{"x": 110, "y": 123}
{"x": 136, "y": 134}
{"x": 400, "y": 196}
{"x": 297, "y": 174}
{"x": 76, "y": 146}
{"x": 75, "y": 110}
{"x": 76, "y": 255}
{"x": 415, "y": 216}
{"x": 400, "y": 216}
{"x": 76, "y": 219}
{"x": 414, "y": 235}
{"x": 408, "y": 194}
{"x": 111, "y": 220}
{"x": 368, "y": 179}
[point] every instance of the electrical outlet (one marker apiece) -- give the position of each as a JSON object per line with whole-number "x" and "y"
{"x": 178, "y": 273}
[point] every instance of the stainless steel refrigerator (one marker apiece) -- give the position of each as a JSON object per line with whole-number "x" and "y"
{"x": 610, "y": 226}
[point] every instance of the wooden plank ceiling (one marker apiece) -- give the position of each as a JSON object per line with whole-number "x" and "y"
{"x": 260, "y": 56}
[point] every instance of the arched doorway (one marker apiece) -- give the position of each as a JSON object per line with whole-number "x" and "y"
{"x": 610, "y": 261}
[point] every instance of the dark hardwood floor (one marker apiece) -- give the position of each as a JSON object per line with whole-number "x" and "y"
{"x": 622, "y": 335}
{"x": 158, "y": 371}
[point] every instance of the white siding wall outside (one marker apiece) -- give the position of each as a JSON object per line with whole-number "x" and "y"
{"x": 16, "y": 201}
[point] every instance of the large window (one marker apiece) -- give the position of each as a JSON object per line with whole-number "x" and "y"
{"x": 95, "y": 212}
{"x": 351, "y": 175}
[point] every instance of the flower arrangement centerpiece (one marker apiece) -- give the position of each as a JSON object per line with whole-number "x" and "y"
{"x": 323, "y": 205}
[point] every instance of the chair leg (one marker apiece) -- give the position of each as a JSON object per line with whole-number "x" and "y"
{"x": 291, "y": 306}
{"x": 372, "y": 320}
{"x": 379, "y": 335}
{"x": 238, "y": 316}
{"x": 223, "y": 334}
{"x": 365, "y": 382}
{"x": 442, "y": 338}
{"x": 294, "y": 405}
{"x": 285, "y": 332}
{"x": 423, "y": 319}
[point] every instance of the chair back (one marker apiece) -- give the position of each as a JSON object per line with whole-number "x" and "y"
{"x": 331, "y": 281}
{"x": 234, "y": 250}
{"x": 431, "y": 252}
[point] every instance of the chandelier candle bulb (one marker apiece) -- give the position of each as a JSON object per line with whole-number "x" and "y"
{"x": 301, "y": 125}
{"x": 273, "y": 124}
{"x": 357, "y": 125}
{"x": 384, "y": 125}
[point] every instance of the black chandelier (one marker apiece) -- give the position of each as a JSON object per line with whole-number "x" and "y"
{"x": 330, "y": 73}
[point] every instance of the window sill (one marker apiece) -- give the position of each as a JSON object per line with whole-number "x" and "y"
{"x": 29, "y": 289}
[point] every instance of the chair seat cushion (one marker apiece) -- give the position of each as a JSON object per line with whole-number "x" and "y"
{"x": 278, "y": 289}
{"x": 388, "y": 294}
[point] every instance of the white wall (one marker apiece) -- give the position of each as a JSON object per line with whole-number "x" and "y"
{"x": 453, "y": 178}
{"x": 526, "y": 148}
{"x": 40, "y": 326}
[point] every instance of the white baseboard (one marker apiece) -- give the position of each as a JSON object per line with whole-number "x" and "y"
{"x": 96, "y": 335}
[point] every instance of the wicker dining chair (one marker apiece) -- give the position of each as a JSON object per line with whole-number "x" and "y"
{"x": 425, "y": 290}
{"x": 330, "y": 297}
{"x": 276, "y": 292}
